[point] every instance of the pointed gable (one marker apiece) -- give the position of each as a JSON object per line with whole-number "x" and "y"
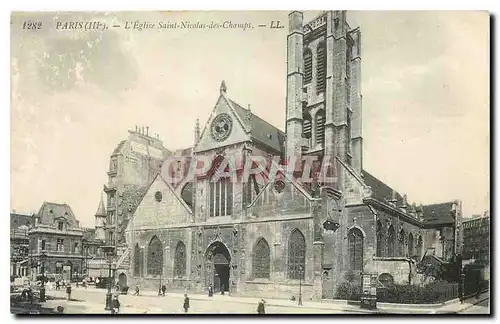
{"x": 160, "y": 207}
{"x": 283, "y": 196}
{"x": 237, "y": 134}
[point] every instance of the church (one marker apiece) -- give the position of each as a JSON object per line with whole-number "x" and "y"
{"x": 280, "y": 235}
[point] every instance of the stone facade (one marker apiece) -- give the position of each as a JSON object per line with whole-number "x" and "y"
{"x": 278, "y": 237}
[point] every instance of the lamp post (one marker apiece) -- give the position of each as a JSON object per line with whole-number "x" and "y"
{"x": 43, "y": 255}
{"x": 300, "y": 284}
{"x": 109, "y": 252}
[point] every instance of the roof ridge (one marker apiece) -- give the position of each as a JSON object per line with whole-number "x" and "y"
{"x": 255, "y": 115}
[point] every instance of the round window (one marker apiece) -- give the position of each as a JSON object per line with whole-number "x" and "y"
{"x": 279, "y": 186}
{"x": 158, "y": 196}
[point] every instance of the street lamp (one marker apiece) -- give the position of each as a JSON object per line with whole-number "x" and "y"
{"x": 109, "y": 252}
{"x": 43, "y": 255}
{"x": 300, "y": 284}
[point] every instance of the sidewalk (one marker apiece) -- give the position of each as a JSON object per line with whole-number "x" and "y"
{"x": 453, "y": 306}
{"x": 255, "y": 301}
{"x": 77, "y": 307}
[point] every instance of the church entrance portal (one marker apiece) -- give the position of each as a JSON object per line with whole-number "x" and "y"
{"x": 217, "y": 261}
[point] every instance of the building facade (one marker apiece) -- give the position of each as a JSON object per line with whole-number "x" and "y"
{"x": 19, "y": 244}
{"x": 133, "y": 165}
{"x": 274, "y": 233}
{"x": 66, "y": 250}
{"x": 477, "y": 239}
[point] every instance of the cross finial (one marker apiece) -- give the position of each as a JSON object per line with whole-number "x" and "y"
{"x": 223, "y": 88}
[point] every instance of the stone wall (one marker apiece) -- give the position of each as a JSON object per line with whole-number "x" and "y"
{"x": 399, "y": 268}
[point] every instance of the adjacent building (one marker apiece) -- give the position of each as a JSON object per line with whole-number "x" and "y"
{"x": 477, "y": 238}
{"x": 19, "y": 244}
{"x": 64, "y": 248}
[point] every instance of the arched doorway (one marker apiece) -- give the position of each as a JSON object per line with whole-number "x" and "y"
{"x": 217, "y": 260}
{"x": 122, "y": 280}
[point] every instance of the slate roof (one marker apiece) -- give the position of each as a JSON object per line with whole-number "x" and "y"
{"x": 261, "y": 130}
{"x": 101, "y": 210}
{"x": 50, "y": 211}
{"x": 380, "y": 190}
{"x": 17, "y": 220}
{"x": 438, "y": 214}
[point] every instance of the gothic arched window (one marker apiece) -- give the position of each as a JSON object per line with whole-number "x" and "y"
{"x": 391, "y": 242}
{"x": 419, "y": 247}
{"x": 320, "y": 127}
{"x": 155, "y": 257}
{"x": 410, "y": 245}
{"x": 402, "y": 243}
{"x": 137, "y": 261}
{"x": 187, "y": 195}
{"x": 380, "y": 240}
{"x": 261, "y": 262}
{"x": 221, "y": 197}
{"x": 356, "y": 249}
{"x": 296, "y": 255}
{"x": 321, "y": 68}
{"x": 180, "y": 260}
{"x": 308, "y": 64}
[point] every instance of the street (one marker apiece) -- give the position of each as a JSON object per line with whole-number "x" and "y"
{"x": 93, "y": 301}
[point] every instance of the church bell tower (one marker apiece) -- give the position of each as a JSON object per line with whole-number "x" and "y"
{"x": 323, "y": 113}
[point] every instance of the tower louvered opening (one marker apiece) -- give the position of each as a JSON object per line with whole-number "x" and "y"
{"x": 320, "y": 127}
{"x": 321, "y": 68}
{"x": 307, "y": 66}
{"x": 307, "y": 130}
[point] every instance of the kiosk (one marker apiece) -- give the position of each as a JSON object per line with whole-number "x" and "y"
{"x": 369, "y": 291}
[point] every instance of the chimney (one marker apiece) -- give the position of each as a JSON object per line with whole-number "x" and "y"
{"x": 147, "y": 130}
{"x": 142, "y": 130}
{"x": 393, "y": 200}
{"x": 136, "y": 128}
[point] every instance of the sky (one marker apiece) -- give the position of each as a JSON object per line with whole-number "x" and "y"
{"x": 75, "y": 93}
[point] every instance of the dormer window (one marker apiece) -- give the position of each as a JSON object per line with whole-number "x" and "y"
{"x": 60, "y": 226}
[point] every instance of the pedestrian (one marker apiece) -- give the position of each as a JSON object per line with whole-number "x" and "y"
{"x": 163, "y": 289}
{"x": 186, "y": 303}
{"x": 30, "y": 296}
{"x": 136, "y": 290}
{"x": 60, "y": 309}
{"x": 210, "y": 291}
{"x": 261, "y": 308}
{"x": 58, "y": 285}
{"x": 68, "y": 291}
{"x": 159, "y": 290}
{"x": 222, "y": 289}
{"x": 116, "y": 306}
